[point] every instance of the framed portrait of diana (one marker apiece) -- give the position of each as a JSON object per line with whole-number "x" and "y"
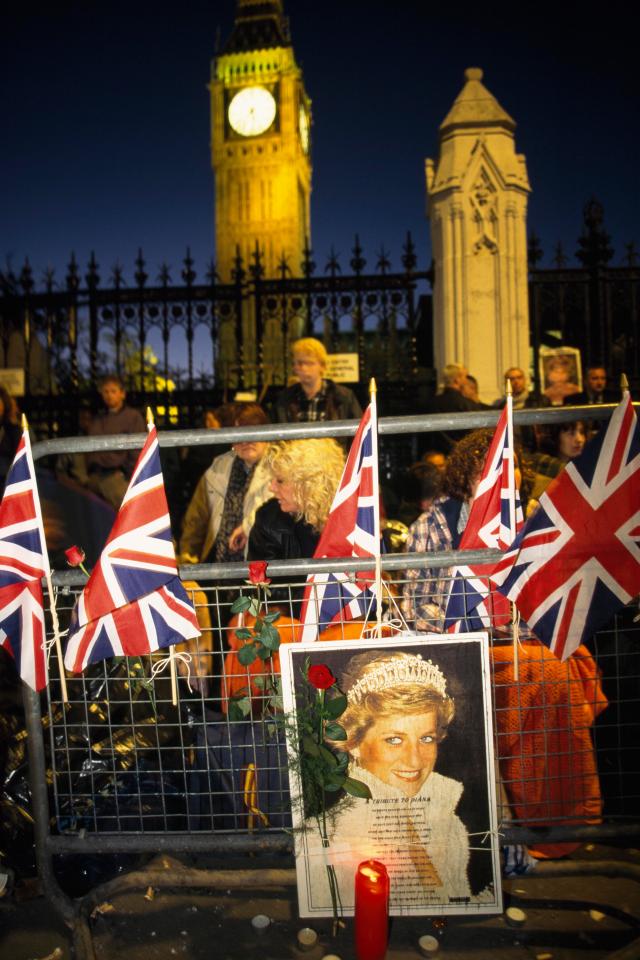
{"x": 412, "y": 779}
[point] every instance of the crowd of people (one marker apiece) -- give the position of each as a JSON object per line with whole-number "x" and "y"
{"x": 226, "y": 503}
{"x": 260, "y": 500}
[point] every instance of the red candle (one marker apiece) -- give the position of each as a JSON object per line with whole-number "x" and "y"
{"x": 371, "y": 910}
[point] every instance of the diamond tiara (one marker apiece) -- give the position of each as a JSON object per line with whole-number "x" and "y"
{"x": 412, "y": 669}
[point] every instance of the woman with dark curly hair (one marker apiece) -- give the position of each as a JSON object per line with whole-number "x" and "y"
{"x": 441, "y": 528}
{"x": 558, "y": 444}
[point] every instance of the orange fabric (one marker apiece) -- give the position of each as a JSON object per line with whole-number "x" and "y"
{"x": 544, "y": 719}
{"x": 236, "y": 679}
{"x": 354, "y": 630}
{"x": 235, "y": 675}
{"x": 200, "y": 648}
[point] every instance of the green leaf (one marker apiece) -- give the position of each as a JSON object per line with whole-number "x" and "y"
{"x": 333, "y": 731}
{"x": 335, "y": 707}
{"x": 343, "y": 760}
{"x": 254, "y": 606}
{"x": 240, "y": 604}
{"x": 310, "y": 746}
{"x": 332, "y": 786}
{"x": 243, "y": 633}
{"x": 271, "y": 617}
{"x": 270, "y": 636}
{"x": 247, "y": 654}
{"x": 328, "y": 757}
{"x": 268, "y": 641}
{"x": 239, "y": 708}
{"x": 356, "y": 788}
{"x": 260, "y": 682}
{"x": 263, "y": 652}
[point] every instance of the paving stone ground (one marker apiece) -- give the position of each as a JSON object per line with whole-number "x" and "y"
{"x": 585, "y": 918}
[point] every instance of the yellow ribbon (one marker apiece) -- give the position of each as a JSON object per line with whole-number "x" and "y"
{"x": 250, "y": 796}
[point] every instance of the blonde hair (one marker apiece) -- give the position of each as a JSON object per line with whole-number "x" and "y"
{"x": 405, "y": 698}
{"x": 314, "y": 469}
{"x": 313, "y": 347}
{"x": 451, "y": 372}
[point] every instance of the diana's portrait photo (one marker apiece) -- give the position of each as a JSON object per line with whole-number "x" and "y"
{"x": 416, "y": 723}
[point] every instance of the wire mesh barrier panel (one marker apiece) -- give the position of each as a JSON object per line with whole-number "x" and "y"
{"x": 122, "y": 758}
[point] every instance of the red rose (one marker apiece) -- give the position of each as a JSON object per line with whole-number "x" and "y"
{"x": 258, "y": 573}
{"x": 320, "y": 677}
{"x": 75, "y": 556}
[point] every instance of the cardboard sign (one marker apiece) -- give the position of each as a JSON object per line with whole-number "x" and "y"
{"x": 343, "y": 367}
{"x": 560, "y": 371}
{"x": 12, "y": 379}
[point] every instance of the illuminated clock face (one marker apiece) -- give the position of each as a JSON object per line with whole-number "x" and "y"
{"x": 252, "y": 111}
{"x": 303, "y": 127}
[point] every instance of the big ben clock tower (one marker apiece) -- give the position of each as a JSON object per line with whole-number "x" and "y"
{"x": 260, "y": 122}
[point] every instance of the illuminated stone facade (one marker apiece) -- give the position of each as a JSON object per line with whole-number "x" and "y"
{"x": 263, "y": 178}
{"x": 477, "y": 203}
{"x": 260, "y": 153}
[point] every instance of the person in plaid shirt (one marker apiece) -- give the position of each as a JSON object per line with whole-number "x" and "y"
{"x": 441, "y": 528}
{"x": 314, "y": 397}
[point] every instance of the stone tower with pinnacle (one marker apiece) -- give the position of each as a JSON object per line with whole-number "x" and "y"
{"x": 477, "y": 204}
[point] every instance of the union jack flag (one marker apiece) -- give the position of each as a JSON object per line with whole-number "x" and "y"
{"x": 577, "y": 559}
{"x": 23, "y": 563}
{"x": 494, "y": 519}
{"x": 352, "y": 529}
{"x": 134, "y": 602}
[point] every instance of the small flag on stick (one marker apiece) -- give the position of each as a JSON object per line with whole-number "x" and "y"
{"x": 134, "y": 602}
{"x": 352, "y": 530}
{"x": 23, "y": 563}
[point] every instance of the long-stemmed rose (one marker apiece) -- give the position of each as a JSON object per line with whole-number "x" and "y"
{"x": 75, "y": 558}
{"x": 324, "y": 768}
{"x": 261, "y": 639}
{"x": 320, "y": 677}
{"x": 258, "y": 573}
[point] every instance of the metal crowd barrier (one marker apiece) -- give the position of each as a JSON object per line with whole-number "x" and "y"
{"x": 120, "y": 769}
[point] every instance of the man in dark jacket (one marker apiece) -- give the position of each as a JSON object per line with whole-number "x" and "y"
{"x": 110, "y": 471}
{"x": 451, "y": 399}
{"x": 314, "y": 397}
{"x": 595, "y": 389}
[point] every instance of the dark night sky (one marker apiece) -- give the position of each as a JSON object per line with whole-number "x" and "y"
{"x": 106, "y": 122}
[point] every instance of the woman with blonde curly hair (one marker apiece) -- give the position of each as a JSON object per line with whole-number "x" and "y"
{"x": 304, "y": 478}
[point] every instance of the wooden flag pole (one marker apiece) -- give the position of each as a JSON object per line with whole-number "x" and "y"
{"x": 515, "y": 618}
{"x": 56, "y": 635}
{"x": 52, "y": 602}
{"x": 373, "y": 390}
{"x": 172, "y": 654}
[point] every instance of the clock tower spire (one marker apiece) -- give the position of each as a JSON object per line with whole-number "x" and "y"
{"x": 260, "y": 121}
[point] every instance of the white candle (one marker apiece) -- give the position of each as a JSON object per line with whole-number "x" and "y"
{"x": 307, "y": 938}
